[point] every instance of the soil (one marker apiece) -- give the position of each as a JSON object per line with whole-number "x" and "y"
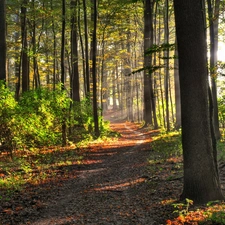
{"x": 115, "y": 184}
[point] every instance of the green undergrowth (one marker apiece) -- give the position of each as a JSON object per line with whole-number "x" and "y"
{"x": 40, "y": 165}
{"x": 36, "y": 166}
{"x": 166, "y": 145}
{"x": 165, "y": 164}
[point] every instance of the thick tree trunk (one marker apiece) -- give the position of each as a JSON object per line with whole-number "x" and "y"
{"x": 201, "y": 183}
{"x": 148, "y": 42}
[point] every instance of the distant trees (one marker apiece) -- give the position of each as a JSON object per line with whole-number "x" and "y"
{"x": 131, "y": 38}
{"x": 201, "y": 181}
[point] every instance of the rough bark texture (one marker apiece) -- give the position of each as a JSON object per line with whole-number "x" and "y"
{"x": 201, "y": 182}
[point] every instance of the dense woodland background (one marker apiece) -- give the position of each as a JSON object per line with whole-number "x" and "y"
{"x": 120, "y": 54}
{"x": 65, "y": 64}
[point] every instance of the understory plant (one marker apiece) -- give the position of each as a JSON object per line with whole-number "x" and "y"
{"x": 36, "y": 119}
{"x": 167, "y": 144}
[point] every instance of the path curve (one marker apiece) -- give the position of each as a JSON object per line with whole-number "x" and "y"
{"x": 108, "y": 191}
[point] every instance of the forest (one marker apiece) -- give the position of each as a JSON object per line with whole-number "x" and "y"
{"x": 129, "y": 91}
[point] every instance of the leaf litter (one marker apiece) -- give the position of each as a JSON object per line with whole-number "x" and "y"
{"x": 114, "y": 182}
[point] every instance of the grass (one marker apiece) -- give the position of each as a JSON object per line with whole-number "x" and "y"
{"x": 167, "y": 145}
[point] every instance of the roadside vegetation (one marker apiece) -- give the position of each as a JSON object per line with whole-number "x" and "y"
{"x": 166, "y": 164}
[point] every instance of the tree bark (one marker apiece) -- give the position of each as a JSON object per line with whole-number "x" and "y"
{"x": 75, "y": 82}
{"x": 86, "y": 48}
{"x": 213, "y": 26}
{"x": 24, "y": 55}
{"x": 3, "y": 42}
{"x": 94, "y": 70}
{"x": 63, "y": 66}
{"x": 177, "y": 92}
{"x": 201, "y": 183}
{"x": 148, "y": 42}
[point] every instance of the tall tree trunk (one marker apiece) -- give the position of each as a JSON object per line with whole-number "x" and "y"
{"x": 63, "y": 66}
{"x": 54, "y": 50}
{"x": 3, "y": 42}
{"x": 36, "y": 77}
{"x": 148, "y": 42}
{"x": 177, "y": 91}
{"x": 17, "y": 62}
{"x": 213, "y": 20}
{"x": 75, "y": 82}
{"x": 86, "y": 48}
{"x": 166, "y": 55}
{"x": 94, "y": 69}
{"x": 201, "y": 183}
{"x": 24, "y": 55}
{"x": 82, "y": 52}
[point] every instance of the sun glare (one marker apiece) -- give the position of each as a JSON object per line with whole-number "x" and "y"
{"x": 221, "y": 52}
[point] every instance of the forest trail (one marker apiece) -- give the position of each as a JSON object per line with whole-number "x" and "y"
{"x": 111, "y": 186}
{"x": 105, "y": 191}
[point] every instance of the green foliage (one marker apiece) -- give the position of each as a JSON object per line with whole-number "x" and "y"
{"x": 36, "y": 166}
{"x": 7, "y": 114}
{"x": 215, "y": 213}
{"x": 217, "y": 217}
{"x": 36, "y": 119}
{"x": 160, "y": 48}
{"x": 183, "y": 208}
{"x": 167, "y": 144}
{"x": 221, "y": 114}
{"x": 156, "y": 49}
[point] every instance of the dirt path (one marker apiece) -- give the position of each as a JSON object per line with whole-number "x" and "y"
{"x": 113, "y": 185}
{"x": 105, "y": 191}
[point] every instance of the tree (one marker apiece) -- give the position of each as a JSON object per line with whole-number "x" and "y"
{"x": 63, "y": 64}
{"x": 213, "y": 34}
{"x": 2, "y": 41}
{"x": 148, "y": 42}
{"x": 201, "y": 182}
{"x": 24, "y": 55}
{"x": 74, "y": 83}
{"x": 94, "y": 69}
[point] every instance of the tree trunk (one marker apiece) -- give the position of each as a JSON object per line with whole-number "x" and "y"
{"x": 63, "y": 66}
{"x": 24, "y": 55}
{"x": 86, "y": 49}
{"x": 94, "y": 69}
{"x": 148, "y": 42}
{"x": 201, "y": 183}
{"x": 177, "y": 92}
{"x": 75, "y": 82}
{"x": 213, "y": 20}
{"x": 2, "y": 42}
{"x": 166, "y": 55}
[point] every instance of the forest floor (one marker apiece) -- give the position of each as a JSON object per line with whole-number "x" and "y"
{"x": 115, "y": 183}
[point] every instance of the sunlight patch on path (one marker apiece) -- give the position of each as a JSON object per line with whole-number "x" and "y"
{"x": 139, "y": 142}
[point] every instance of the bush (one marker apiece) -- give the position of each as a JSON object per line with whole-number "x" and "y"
{"x": 35, "y": 120}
